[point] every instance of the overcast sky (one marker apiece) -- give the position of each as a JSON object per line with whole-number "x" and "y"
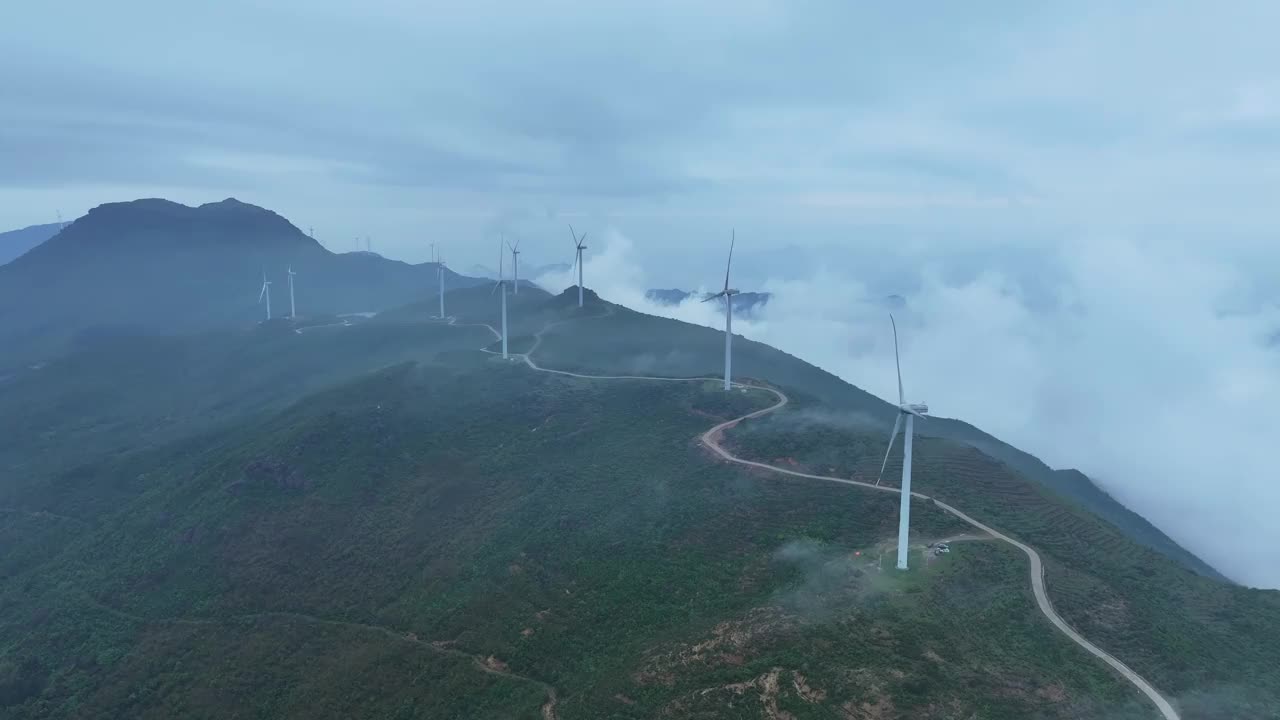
{"x": 1079, "y": 199}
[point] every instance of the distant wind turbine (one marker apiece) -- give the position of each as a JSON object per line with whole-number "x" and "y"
{"x": 910, "y": 411}
{"x": 440, "y": 277}
{"x": 266, "y": 293}
{"x": 502, "y": 283}
{"x": 727, "y": 293}
{"x": 579, "y": 244}
{"x": 515, "y": 267}
{"x": 293, "y": 309}
{"x": 61, "y": 225}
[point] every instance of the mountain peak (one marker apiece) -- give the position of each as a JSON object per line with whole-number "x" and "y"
{"x": 157, "y": 224}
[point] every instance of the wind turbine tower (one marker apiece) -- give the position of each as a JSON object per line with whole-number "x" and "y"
{"x": 910, "y": 411}
{"x": 502, "y": 283}
{"x": 515, "y": 267}
{"x": 727, "y": 293}
{"x": 293, "y": 308}
{"x": 440, "y": 275}
{"x": 266, "y": 293}
{"x": 579, "y": 243}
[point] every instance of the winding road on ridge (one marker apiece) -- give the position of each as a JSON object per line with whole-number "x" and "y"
{"x": 711, "y": 440}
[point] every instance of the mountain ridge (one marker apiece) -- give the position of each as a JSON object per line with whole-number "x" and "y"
{"x": 458, "y": 500}
{"x": 159, "y": 265}
{"x": 15, "y": 243}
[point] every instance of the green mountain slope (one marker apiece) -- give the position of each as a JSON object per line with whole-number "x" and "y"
{"x": 433, "y": 519}
{"x": 1212, "y": 644}
{"x": 631, "y": 342}
{"x": 382, "y": 521}
{"x": 123, "y": 392}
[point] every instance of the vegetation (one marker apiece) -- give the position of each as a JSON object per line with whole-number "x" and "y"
{"x": 157, "y": 266}
{"x": 383, "y": 521}
{"x": 1214, "y": 644}
{"x": 304, "y": 564}
{"x": 624, "y": 341}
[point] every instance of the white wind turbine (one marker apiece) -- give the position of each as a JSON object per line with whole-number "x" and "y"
{"x": 727, "y": 293}
{"x": 515, "y": 267}
{"x": 910, "y": 411}
{"x": 502, "y": 283}
{"x": 266, "y": 293}
{"x": 579, "y": 246}
{"x": 440, "y": 277}
{"x": 293, "y": 308}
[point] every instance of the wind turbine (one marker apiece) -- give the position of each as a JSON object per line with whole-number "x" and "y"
{"x": 579, "y": 246}
{"x": 515, "y": 267}
{"x": 440, "y": 277}
{"x": 910, "y": 411}
{"x": 266, "y": 293}
{"x": 293, "y": 309}
{"x": 502, "y": 283}
{"x": 727, "y": 293}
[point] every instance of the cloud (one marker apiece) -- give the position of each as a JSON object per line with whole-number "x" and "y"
{"x": 810, "y": 121}
{"x": 1148, "y": 367}
{"x": 1077, "y": 199}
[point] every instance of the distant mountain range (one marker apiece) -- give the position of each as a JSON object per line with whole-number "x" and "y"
{"x": 743, "y": 303}
{"x": 157, "y": 265}
{"x": 16, "y": 242}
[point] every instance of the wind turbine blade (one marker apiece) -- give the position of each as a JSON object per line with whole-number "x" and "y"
{"x": 709, "y": 298}
{"x": 582, "y": 241}
{"x": 733, "y": 238}
{"x": 897, "y": 425}
{"x": 575, "y": 236}
{"x": 262, "y": 292}
{"x": 897, "y": 363}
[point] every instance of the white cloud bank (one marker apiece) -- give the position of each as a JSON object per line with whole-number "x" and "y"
{"x": 1148, "y": 369}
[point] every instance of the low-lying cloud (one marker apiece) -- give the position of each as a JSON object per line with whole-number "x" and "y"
{"x": 1149, "y": 368}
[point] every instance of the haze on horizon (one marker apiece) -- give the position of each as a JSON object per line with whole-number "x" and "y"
{"x": 1077, "y": 200}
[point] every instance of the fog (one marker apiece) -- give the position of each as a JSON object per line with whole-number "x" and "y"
{"x": 1077, "y": 200}
{"x": 1147, "y": 367}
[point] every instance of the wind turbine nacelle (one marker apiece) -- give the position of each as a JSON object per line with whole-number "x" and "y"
{"x": 731, "y": 291}
{"x": 917, "y": 409}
